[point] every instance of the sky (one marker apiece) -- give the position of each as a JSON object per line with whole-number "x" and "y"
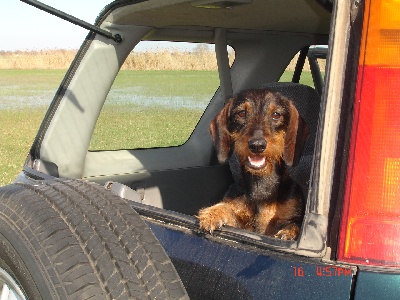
{"x": 24, "y": 27}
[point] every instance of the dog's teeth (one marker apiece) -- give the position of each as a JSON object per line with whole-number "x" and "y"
{"x": 257, "y": 161}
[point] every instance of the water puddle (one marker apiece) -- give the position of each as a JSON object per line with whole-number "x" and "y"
{"x": 36, "y": 99}
{"x": 121, "y": 97}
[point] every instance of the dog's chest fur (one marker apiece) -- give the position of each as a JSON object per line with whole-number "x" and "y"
{"x": 269, "y": 198}
{"x": 261, "y": 189}
{"x": 257, "y": 189}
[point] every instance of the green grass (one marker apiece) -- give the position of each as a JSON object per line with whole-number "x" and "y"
{"x": 28, "y": 82}
{"x": 23, "y": 98}
{"x": 17, "y": 129}
{"x": 21, "y": 89}
{"x": 146, "y": 109}
{"x": 128, "y": 127}
{"x": 305, "y": 77}
{"x": 168, "y": 83}
{"x": 25, "y": 94}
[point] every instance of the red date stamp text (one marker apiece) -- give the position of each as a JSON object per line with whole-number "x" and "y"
{"x": 326, "y": 271}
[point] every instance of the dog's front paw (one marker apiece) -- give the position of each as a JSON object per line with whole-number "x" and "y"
{"x": 289, "y": 233}
{"x": 215, "y": 217}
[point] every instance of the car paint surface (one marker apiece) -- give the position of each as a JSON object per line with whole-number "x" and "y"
{"x": 213, "y": 269}
{"x": 377, "y": 285}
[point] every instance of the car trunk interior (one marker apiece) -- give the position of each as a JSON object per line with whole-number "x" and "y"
{"x": 265, "y": 35}
{"x": 187, "y": 178}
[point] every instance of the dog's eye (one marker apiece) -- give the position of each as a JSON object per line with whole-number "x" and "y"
{"x": 242, "y": 113}
{"x": 276, "y": 116}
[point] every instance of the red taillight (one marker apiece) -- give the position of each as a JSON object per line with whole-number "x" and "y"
{"x": 370, "y": 229}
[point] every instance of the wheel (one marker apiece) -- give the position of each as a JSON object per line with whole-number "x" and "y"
{"x": 70, "y": 239}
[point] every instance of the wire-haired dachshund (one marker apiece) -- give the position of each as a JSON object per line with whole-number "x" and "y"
{"x": 260, "y": 132}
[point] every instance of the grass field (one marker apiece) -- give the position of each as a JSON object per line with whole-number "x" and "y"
{"x": 147, "y": 109}
{"x": 26, "y": 94}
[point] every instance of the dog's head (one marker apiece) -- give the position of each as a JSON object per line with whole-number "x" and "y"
{"x": 262, "y": 127}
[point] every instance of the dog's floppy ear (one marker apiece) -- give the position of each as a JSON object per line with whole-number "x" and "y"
{"x": 295, "y": 138}
{"x": 220, "y": 134}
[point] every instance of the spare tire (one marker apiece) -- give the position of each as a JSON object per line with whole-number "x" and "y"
{"x": 70, "y": 239}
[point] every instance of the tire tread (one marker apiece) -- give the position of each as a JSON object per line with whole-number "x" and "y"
{"x": 96, "y": 243}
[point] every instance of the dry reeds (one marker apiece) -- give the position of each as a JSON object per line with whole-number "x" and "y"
{"x": 171, "y": 60}
{"x": 44, "y": 59}
{"x": 200, "y": 59}
{"x": 150, "y": 60}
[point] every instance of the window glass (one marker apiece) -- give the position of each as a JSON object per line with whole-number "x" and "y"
{"x": 306, "y": 77}
{"x": 158, "y": 97}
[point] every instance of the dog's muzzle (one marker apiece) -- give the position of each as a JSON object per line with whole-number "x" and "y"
{"x": 257, "y": 146}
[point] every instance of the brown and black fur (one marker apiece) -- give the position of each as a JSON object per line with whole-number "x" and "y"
{"x": 261, "y": 133}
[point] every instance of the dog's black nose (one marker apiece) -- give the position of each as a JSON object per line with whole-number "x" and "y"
{"x": 257, "y": 145}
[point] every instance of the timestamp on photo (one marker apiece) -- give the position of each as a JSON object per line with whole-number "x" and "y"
{"x": 322, "y": 271}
